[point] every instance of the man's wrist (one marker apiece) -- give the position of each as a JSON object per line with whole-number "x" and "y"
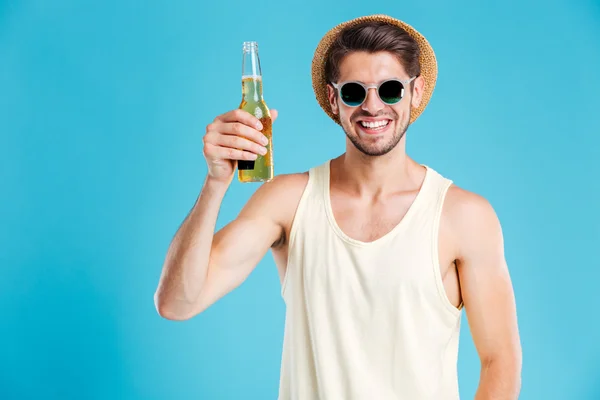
{"x": 216, "y": 186}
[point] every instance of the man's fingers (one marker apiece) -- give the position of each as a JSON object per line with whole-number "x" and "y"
{"x": 242, "y": 130}
{"x": 215, "y": 153}
{"x": 240, "y": 116}
{"x": 240, "y": 143}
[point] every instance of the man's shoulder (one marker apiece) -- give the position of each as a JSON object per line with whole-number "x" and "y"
{"x": 465, "y": 205}
{"x": 463, "y": 202}
{"x": 471, "y": 217}
{"x": 279, "y": 198}
{"x": 286, "y": 184}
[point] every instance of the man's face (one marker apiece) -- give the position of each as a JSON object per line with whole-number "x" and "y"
{"x": 374, "y": 127}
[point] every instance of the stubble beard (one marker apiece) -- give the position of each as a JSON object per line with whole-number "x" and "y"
{"x": 375, "y": 149}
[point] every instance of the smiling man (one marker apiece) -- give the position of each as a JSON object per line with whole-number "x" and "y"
{"x": 377, "y": 254}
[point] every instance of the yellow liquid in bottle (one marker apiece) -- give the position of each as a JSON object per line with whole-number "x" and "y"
{"x": 261, "y": 169}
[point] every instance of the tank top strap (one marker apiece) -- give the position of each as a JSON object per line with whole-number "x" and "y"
{"x": 321, "y": 177}
{"x": 439, "y": 186}
{"x": 313, "y": 194}
{"x": 434, "y": 189}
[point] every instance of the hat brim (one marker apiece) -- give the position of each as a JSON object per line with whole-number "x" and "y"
{"x": 427, "y": 61}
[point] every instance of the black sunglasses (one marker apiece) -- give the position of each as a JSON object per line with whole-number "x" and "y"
{"x": 354, "y": 93}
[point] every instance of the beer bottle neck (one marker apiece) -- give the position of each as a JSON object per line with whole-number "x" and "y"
{"x": 251, "y": 73}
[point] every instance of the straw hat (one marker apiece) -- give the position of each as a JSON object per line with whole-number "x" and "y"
{"x": 427, "y": 61}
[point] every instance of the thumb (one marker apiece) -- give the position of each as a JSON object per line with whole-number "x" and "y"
{"x": 274, "y": 114}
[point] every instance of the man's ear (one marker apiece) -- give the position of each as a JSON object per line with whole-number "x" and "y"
{"x": 332, "y": 95}
{"x": 417, "y": 92}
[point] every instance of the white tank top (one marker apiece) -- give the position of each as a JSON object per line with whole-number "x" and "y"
{"x": 367, "y": 320}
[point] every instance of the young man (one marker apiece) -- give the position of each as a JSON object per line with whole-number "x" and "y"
{"x": 377, "y": 254}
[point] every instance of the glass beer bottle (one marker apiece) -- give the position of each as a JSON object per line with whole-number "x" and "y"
{"x": 261, "y": 169}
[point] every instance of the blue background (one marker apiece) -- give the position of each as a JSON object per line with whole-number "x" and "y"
{"x": 103, "y": 106}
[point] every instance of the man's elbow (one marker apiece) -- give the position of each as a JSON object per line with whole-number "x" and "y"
{"x": 166, "y": 310}
{"x": 506, "y": 367}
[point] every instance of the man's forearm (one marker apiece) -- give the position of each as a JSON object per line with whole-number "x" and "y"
{"x": 186, "y": 263}
{"x": 499, "y": 380}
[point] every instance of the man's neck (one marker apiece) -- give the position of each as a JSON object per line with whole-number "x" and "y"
{"x": 375, "y": 176}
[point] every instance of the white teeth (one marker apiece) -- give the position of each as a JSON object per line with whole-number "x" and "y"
{"x": 374, "y": 125}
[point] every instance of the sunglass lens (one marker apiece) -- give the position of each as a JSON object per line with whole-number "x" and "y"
{"x": 352, "y": 94}
{"x": 391, "y": 92}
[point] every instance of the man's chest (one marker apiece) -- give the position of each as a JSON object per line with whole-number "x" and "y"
{"x": 410, "y": 250}
{"x": 368, "y": 221}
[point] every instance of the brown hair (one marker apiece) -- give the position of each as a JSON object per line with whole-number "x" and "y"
{"x": 373, "y": 37}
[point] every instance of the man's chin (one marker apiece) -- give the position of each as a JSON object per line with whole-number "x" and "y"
{"x": 373, "y": 149}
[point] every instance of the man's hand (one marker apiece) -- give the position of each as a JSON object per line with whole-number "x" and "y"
{"x": 235, "y": 135}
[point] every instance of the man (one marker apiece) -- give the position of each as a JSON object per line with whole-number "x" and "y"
{"x": 377, "y": 254}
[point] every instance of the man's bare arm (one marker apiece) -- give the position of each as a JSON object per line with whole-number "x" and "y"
{"x": 199, "y": 268}
{"x": 488, "y": 295}
{"x": 240, "y": 245}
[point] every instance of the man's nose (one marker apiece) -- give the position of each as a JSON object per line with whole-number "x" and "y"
{"x": 373, "y": 103}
